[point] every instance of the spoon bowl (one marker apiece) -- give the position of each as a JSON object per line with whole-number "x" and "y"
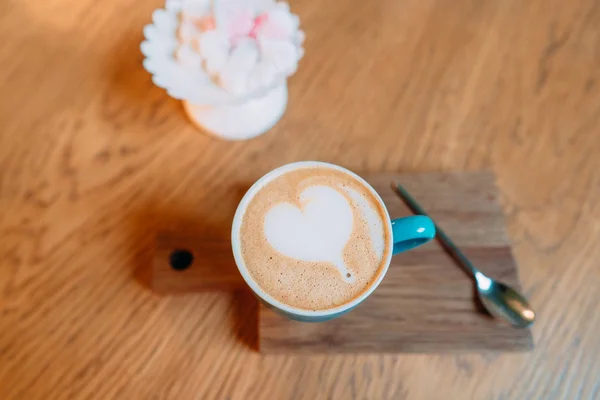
{"x": 503, "y": 302}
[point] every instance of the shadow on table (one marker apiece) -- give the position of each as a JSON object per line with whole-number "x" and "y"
{"x": 133, "y": 103}
{"x": 245, "y": 318}
{"x": 163, "y": 236}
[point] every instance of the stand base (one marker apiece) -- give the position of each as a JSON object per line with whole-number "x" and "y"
{"x": 240, "y": 121}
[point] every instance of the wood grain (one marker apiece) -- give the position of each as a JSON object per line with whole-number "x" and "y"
{"x": 211, "y": 268}
{"x": 95, "y": 160}
{"x": 425, "y": 304}
{"x": 416, "y": 309}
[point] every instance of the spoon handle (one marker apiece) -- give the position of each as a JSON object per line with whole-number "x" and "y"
{"x": 445, "y": 241}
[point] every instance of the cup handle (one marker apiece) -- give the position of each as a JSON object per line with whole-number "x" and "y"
{"x": 411, "y": 232}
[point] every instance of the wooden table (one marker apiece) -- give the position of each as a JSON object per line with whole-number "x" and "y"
{"x": 94, "y": 160}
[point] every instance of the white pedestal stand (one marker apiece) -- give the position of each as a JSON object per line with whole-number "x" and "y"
{"x": 240, "y": 121}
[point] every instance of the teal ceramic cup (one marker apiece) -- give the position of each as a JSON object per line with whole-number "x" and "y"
{"x": 406, "y": 234}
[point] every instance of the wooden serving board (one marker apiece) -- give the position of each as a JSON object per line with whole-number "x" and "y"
{"x": 426, "y": 302}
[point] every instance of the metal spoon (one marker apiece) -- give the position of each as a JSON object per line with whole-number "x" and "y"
{"x": 499, "y": 299}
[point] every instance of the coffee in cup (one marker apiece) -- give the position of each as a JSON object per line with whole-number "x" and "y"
{"x": 313, "y": 239}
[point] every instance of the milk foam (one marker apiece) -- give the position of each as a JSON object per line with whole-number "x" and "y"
{"x": 316, "y": 232}
{"x": 314, "y": 238}
{"x": 373, "y": 218}
{"x": 321, "y": 228}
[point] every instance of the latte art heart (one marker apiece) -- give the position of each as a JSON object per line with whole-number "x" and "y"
{"x": 316, "y": 232}
{"x": 314, "y": 237}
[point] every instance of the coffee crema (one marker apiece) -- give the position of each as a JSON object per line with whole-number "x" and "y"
{"x": 314, "y": 238}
